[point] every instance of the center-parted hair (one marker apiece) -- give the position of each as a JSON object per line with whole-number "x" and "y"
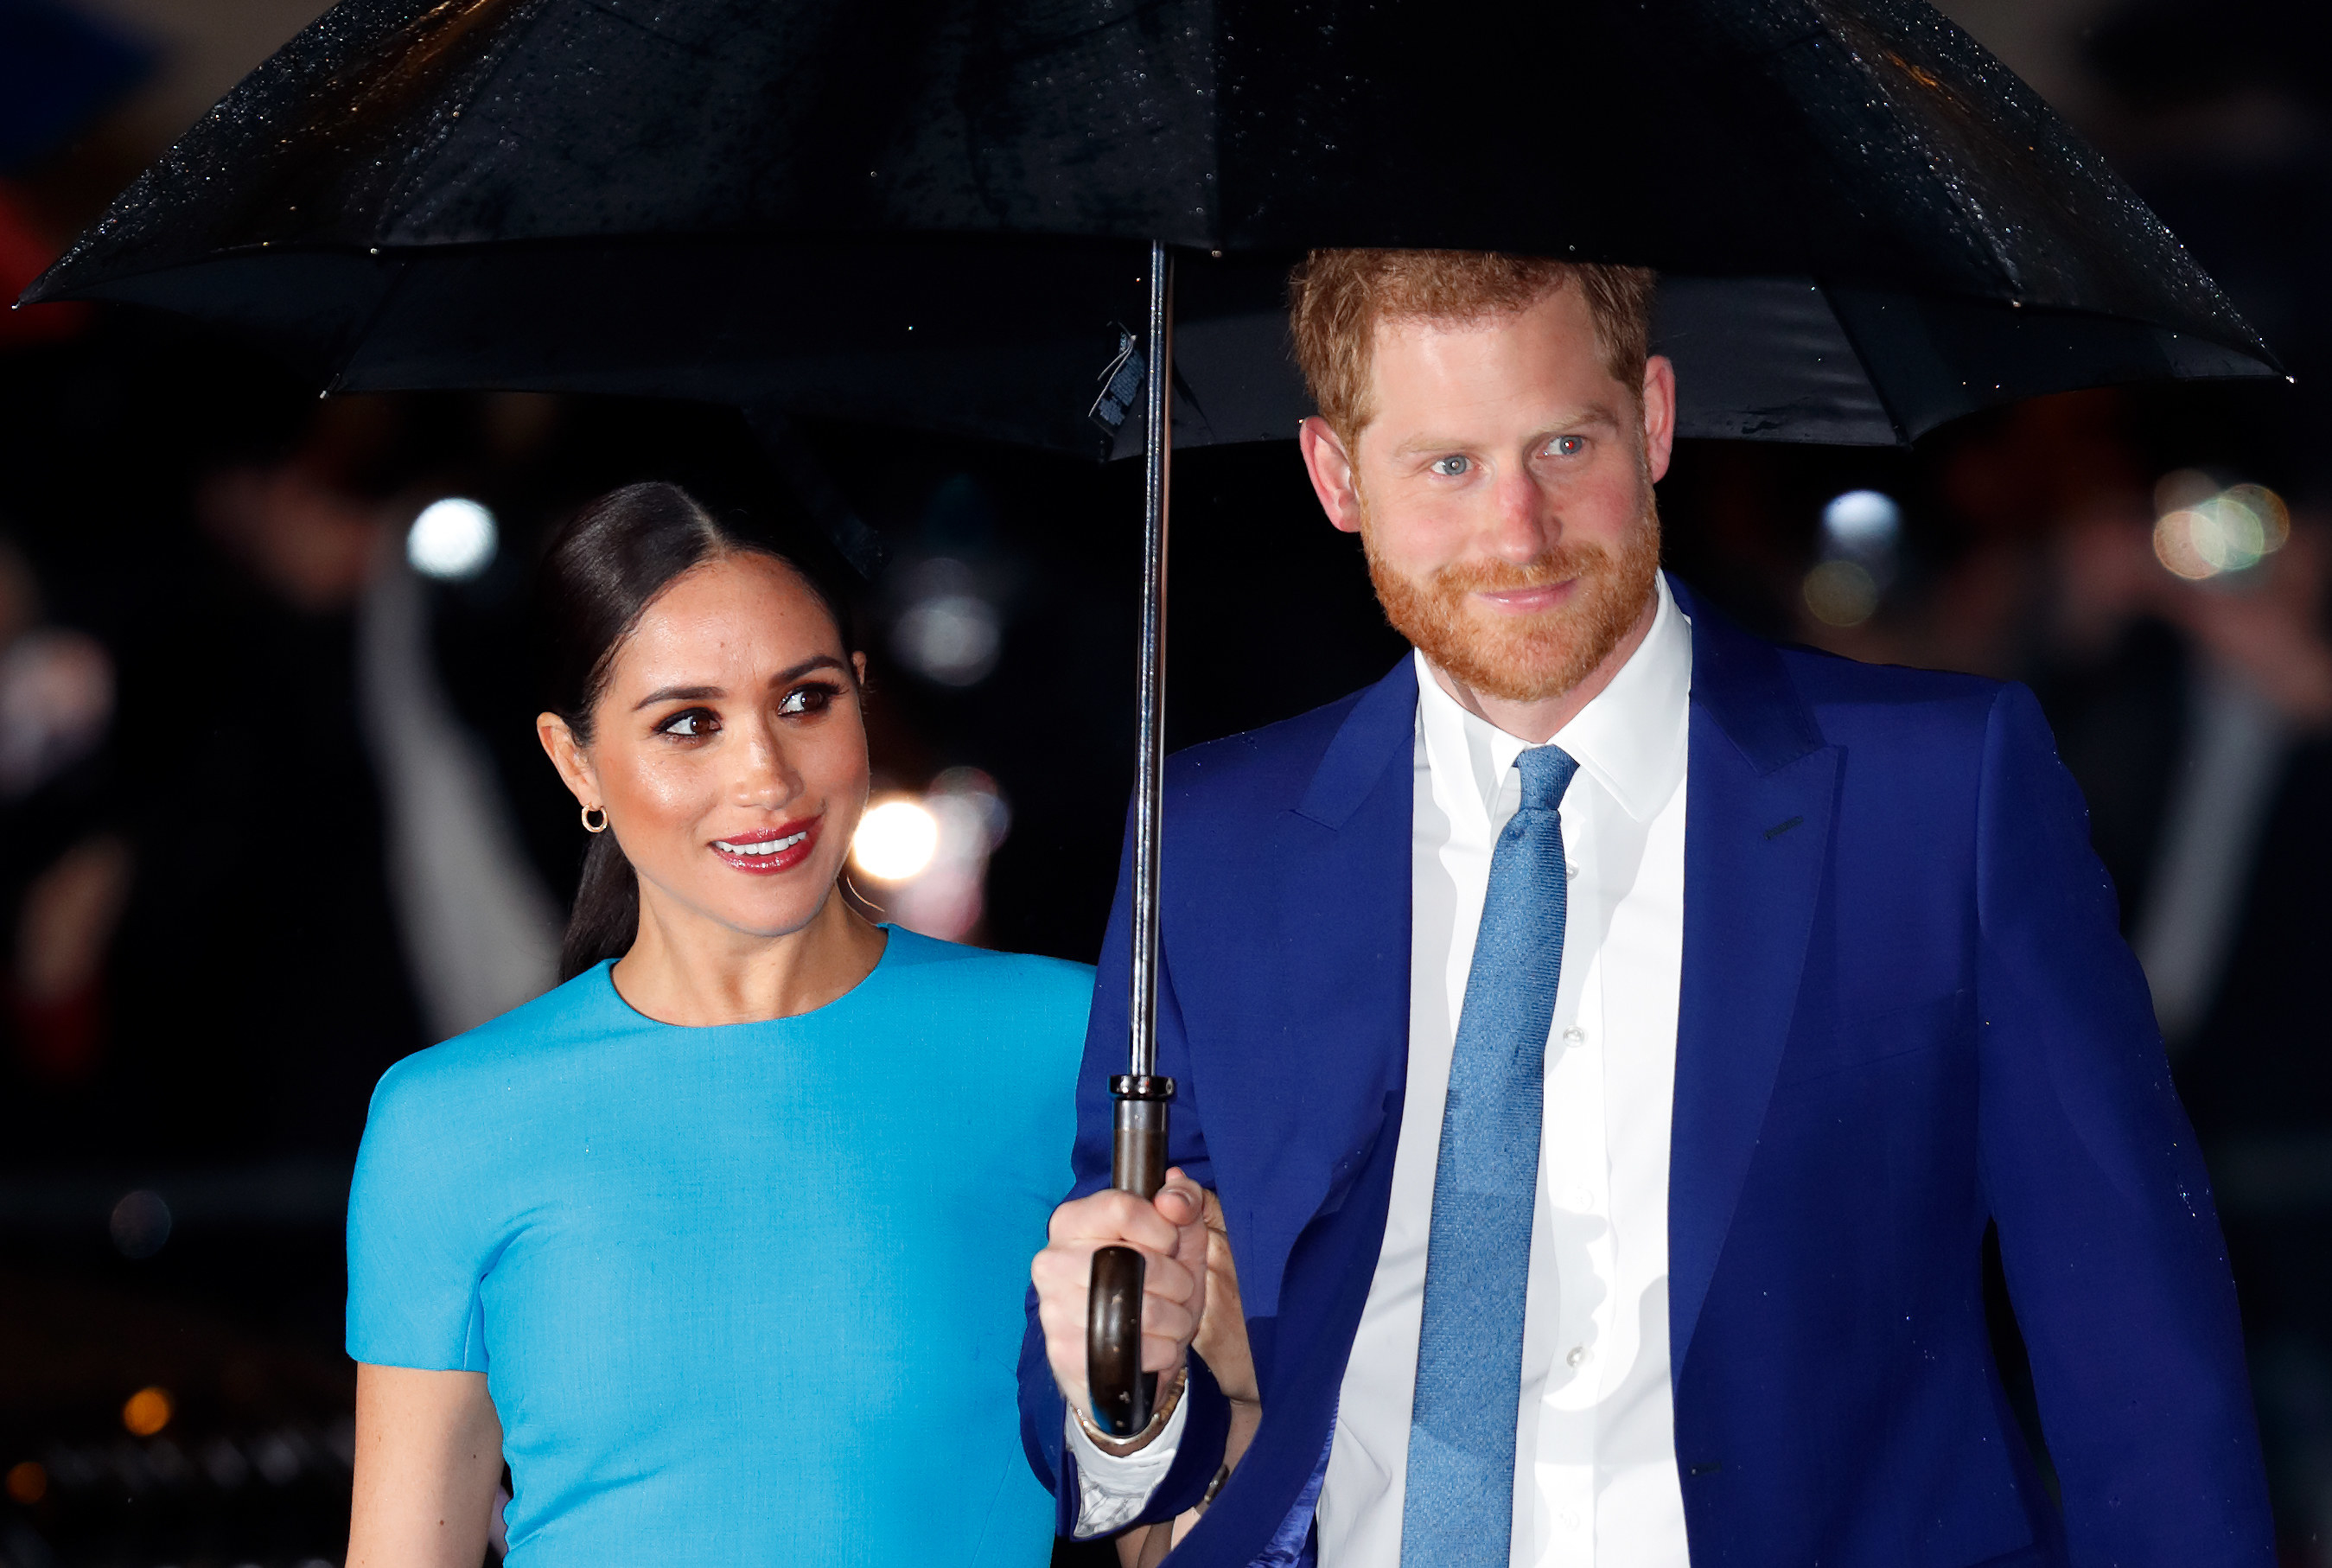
{"x": 1336, "y": 298}
{"x": 601, "y": 573}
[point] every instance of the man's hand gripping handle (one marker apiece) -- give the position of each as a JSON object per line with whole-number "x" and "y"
{"x": 1122, "y": 1394}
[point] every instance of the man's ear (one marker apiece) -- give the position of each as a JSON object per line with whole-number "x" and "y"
{"x": 1659, "y": 414}
{"x": 566, "y": 754}
{"x": 1331, "y": 468}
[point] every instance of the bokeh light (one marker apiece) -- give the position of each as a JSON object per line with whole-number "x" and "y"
{"x": 147, "y": 1411}
{"x": 2204, "y": 530}
{"x": 28, "y": 1483}
{"x": 895, "y": 840}
{"x": 453, "y": 538}
{"x": 1841, "y": 593}
{"x": 277, "y": 1458}
{"x": 949, "y": 630}
{"x": 140, "y": 1224}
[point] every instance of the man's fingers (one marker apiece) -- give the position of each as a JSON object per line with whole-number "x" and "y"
{"x": 1160, "y": 1353}
{"x": 1113, "y": 1218}
{"x": 1170, "y": 1231}
{"x": 1062, "y": 1270}
{"x": 1168, "y": 1320}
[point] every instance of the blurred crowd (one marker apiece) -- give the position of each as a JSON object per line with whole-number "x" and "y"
{"x": 272, "y": 814}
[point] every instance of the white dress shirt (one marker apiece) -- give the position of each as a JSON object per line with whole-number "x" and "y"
{"x": 1596, "y": 1483}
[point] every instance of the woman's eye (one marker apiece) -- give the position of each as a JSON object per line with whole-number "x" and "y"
{"x": 1566, "y": 447}
{"x": 1451, "y": 467}
{"x": 692, "y": 726}
{"x": 804, "y": 700}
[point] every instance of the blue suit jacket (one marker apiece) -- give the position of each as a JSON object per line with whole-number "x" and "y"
{"x": 1906, "y": 1012}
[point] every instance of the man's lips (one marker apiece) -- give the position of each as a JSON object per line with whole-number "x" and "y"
{"x": 1529, "y": 600}
{"x": 766, "y": 851}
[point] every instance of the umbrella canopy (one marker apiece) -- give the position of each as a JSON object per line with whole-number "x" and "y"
{"x": 937, "y": 212}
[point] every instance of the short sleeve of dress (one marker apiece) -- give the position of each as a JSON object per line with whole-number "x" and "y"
{"x": 418, "y": 1242}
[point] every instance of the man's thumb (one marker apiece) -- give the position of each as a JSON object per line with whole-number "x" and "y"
{"x": 1182, "y": 1200}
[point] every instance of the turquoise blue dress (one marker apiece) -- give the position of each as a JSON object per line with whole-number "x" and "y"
{"x": 743, "y": 1295}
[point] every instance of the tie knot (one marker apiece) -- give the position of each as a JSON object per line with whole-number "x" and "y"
{"x": 1546, "y": 773}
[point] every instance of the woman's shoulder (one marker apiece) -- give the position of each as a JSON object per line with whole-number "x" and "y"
{"x": 1020, "y": 1016}
{"x": 523, "y": 1042}
{"x": 1020, "y": 995}
{"x": 1024, "y": 976}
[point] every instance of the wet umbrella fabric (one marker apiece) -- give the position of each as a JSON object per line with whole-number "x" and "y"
{"x": 937, "y": 212}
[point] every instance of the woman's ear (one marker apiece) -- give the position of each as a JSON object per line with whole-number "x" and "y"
{"x": 858, "y": 663}
{"x": 567, "y": 754}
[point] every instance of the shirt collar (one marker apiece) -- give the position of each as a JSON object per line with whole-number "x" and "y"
{"x": 1631, "y": 738}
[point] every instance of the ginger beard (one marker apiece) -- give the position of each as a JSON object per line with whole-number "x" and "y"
{"x": 1522, "y": 658}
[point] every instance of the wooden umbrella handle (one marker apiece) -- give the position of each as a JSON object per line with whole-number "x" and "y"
{"x": 1123, "y": 1393}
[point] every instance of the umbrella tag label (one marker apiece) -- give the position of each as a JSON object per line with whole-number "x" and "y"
{"x": 1120, "y": 384}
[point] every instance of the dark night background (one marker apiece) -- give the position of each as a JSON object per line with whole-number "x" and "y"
{"x": 203, "y": 972}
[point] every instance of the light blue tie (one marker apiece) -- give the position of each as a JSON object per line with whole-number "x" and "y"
{"x": 1459, "y": 1508}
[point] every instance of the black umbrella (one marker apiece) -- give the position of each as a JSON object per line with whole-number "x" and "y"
{"x": 934, "y": 211}
{"x": 941, "y": 213}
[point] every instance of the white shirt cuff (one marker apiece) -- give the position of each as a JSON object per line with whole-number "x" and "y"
{"x": 1113, "y": 1489}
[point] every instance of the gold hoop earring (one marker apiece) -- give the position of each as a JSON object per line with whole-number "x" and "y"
{"x": 591, "y": 826}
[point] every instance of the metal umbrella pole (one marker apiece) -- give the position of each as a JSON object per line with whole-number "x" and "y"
{"x": 1121, "y": 1394}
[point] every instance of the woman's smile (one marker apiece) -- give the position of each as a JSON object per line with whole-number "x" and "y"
{"x": 766, "y": 851}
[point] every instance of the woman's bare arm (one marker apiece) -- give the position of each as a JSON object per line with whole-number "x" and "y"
{"x": 429, "y": 1460}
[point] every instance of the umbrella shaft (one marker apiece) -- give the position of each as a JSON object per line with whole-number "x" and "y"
{"x": 1149, "y": 747}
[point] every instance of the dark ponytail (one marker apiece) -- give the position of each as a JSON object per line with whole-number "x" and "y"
{"x": 601, "y": 573}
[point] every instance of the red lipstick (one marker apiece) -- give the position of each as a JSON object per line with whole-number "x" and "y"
{"x": 766, "y": 851}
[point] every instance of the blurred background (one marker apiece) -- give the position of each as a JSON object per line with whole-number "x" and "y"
{"x": 272, "y": 815}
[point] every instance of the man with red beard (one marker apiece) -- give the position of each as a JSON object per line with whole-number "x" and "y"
{"x": 1604, "y": 1182}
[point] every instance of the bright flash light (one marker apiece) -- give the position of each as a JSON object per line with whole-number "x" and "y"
{"x": 453, "y": 538}
{"x": 1862, "y": 520}
{"x": 2210, "y": 532}
{"x": 895, "y": 840}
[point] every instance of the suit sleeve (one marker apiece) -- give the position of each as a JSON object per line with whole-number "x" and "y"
{"x": 2113, "y": 1253}
{"x": 1042, "y": 1413}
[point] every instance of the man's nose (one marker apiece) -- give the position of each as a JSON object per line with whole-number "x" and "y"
{"x": 1522, "y": 517}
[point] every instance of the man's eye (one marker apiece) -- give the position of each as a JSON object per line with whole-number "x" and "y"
{"x": 1566, "y": 447}
{"x": 802, "y": 699}
{"x": 692, "y": 725}
{"x": 1451, "y": 467}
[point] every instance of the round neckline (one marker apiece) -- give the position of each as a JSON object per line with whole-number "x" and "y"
{"x": 604, "y": 973}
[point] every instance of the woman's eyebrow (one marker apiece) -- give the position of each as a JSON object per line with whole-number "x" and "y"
{"x": 679, "y": 694}
{"x": 816, "y": 662}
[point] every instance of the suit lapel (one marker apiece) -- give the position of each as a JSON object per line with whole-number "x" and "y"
{"x": 1758, "y": 801}
{"x": 1292, "y": 961}
{"x": 1345, "y": 918}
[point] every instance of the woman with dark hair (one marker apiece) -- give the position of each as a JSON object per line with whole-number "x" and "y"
{"x": 661, "y": 1237}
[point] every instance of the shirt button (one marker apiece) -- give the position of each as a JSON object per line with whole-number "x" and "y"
{"x": 1574, "y": 1033}
{"x": 1571, "y": 868}
{"x": 1582, "y": 1198}
{"x": 1577, "y": 1356}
